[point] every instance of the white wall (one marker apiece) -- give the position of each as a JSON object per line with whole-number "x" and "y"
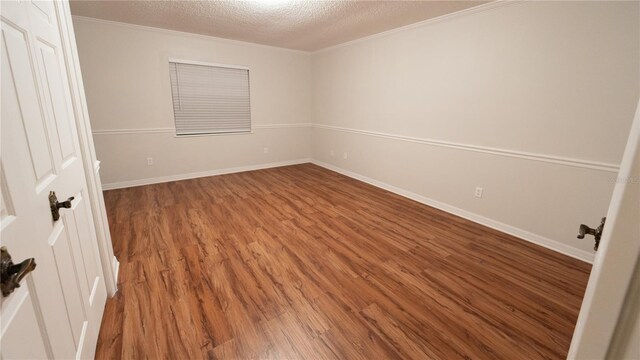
{"x": 531, "y": 101}
{"x": 126, "y": 75}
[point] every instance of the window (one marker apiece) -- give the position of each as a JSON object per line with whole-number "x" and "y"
{"x": 210, "y": 99}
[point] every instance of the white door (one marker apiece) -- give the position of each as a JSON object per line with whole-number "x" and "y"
{"x": 613, "y": 268}
{"x": 58, "y": 309}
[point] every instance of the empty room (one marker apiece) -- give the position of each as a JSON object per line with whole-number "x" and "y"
{"x": 288, "y": 179}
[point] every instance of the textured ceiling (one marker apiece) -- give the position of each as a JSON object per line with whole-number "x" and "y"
{"x": 302, "y": 25}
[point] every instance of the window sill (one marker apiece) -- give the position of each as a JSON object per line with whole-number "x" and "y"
{"x": 214, "y": 134}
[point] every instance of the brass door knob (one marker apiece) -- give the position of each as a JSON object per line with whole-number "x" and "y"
{"x": 11, "y": 274}
{"x": 55, "y": 205}
{"x": 596, "y": 233}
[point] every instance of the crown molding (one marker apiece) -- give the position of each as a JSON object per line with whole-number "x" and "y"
{"x": 184, "y": 34}
{"x": 427, "y": 22}
{"x": 450, "y": 16}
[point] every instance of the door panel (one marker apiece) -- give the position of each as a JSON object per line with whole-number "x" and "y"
{"x": 24, "y": 322}
{"x": 82, "y": 269}
{"x": 44, "y": 9}
{"x": 57, "y": 103}
{"x": 78, "y": 221}
{"x": 7, "y": 214}
{"x": 16, "y": 58}
{"x": 64, "y": 261}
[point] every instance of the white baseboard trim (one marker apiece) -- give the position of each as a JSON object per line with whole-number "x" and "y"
{"x": 163, "y": 179}
{"x": 505, "y": 228}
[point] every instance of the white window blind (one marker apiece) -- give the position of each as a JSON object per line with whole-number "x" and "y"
{"x": 210, "y": 99}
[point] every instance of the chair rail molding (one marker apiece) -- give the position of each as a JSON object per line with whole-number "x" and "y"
{"x": 559, "y": 160}
{"x": 552, "y": 159}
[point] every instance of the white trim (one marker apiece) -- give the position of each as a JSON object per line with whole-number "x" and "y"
{"x": 580, "y": 163}
{"x": 280, "y": 126}
{"x": 173, "y": 130}
{"x": 115, "y": 265}
{"x": 613, "y": 269}
{"x": 185, "y": 34}
{"x": 559, "y": 160}
{"x": 193, "y": 62}
{"x": 450, "y": 16}
{"x": 502, "y": 227}
{"x": 224, "y": 133}
{"x": 134, "y": 131}
{"x": 104, "y": 249}
{"x": 169, "y": 178}
{"x": 479, "y": 219}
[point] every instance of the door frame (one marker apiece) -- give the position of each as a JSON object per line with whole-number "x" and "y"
{"x": 109, "y": 262}
{"x": 614, "y": 265}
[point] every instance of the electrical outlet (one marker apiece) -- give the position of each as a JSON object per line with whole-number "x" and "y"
{"x": 479, "y": 192}
{"x": 331, "y": 152}
{"x": 149, "y": 161}
{"x": 345, "y": 156}
{"x": 266, "y": 150}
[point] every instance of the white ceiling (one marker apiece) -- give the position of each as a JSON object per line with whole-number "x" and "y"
{"x": 294, "y": 24}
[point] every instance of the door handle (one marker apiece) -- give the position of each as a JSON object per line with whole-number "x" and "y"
{"x": 597, "y": 232}
{"x": 55, "y": 205}
{"x": 11, "y": 274}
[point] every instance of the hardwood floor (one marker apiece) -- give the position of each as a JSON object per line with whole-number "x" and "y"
{"x": 300, "y": 262}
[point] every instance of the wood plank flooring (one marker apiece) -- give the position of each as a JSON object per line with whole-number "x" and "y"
{"x": 299, "y": 262}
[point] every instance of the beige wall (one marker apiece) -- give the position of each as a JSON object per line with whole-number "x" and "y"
{"x": 531, "y": 101}
{"x": 126, "y": 76}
